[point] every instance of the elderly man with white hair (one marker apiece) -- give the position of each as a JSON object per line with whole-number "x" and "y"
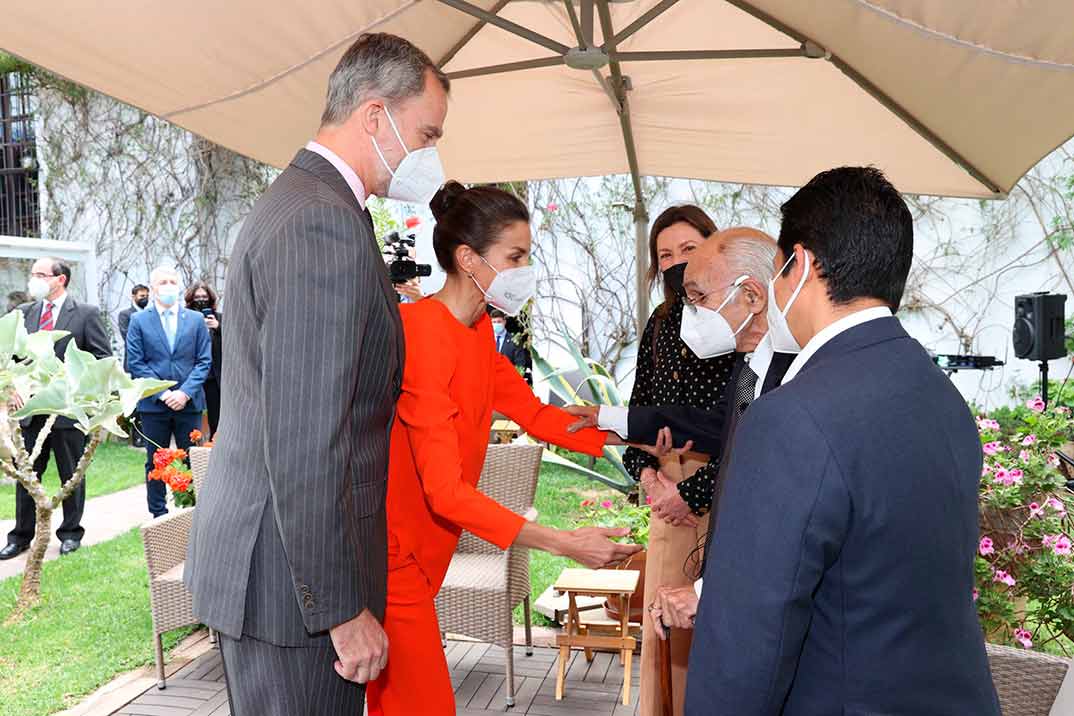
{"x": 168, "y": 342}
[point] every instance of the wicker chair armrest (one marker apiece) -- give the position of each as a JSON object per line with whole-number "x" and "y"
{"x": 165, "y": 540}
{"x": 1027, "y": 681}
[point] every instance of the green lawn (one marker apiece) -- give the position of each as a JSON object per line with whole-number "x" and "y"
{"x": 559, "y": 494}
{"x": 115, "y": 467}
{"x": 92, "y": 624}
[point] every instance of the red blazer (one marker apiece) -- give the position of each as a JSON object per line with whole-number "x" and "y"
{"x": 452, "y": 381}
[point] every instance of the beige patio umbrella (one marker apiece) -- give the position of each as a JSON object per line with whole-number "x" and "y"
{"x": 948, "y": 97}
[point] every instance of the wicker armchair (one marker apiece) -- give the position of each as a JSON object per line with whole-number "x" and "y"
{"x": 165, "y": 540}
{"x": 199, "y": 467}
{"x": 1027, "y": 681}
{"x": 484, "y": 584}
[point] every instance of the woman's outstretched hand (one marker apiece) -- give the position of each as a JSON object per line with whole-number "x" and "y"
{"x": 593, "y": 546}
{"x": 586, "y": 414}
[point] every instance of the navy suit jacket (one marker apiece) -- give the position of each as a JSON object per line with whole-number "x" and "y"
{"x": 148, "y": 356}
{"x": 841, "y": 582}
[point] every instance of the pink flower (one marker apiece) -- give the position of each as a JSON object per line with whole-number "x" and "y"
{"x": 552, "y": 206}
{"x": 1035, "y": 404}
{"x": 1056, "y": 505}
{"x": 1016, "y": 476}
{"x": 587, "y": 503}
{"x": 1048, "y": 541}
{"x": 1035, "y": 510}
{"x": 991, "y": 448}
{"x": 976, "y": 594}
{"x": 1062, "y": 546}
{"x": 607, "y": 504}
{"x": 986, "y": 548}
{"x": 1063, "y": 410}
{"x": 1052, "y": 460}
{"x": 1003, "y": 477}
{"x": 984, "y": 423}
{"x": 1024, "y": 456}
{"x": 1024, "y": 638}
{"x": 1029, "y": 440}
{"x": 1004, "y": 578}
{"x": 985, "y": 469}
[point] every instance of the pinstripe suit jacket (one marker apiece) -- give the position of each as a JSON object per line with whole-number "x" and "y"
{"x": 289, "y": 537}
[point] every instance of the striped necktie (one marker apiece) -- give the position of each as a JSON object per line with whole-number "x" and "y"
{"x": 47, "y": 321}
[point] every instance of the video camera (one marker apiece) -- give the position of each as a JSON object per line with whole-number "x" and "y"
{"x": 397, "y": 254}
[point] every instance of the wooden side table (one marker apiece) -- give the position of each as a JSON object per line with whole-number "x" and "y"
{"x": 617, "y": 584}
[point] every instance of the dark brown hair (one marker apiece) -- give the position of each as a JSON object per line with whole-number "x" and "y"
{"x": 194, "y": 288}
{"x": 696, "y": 217}
{"x": 471, "y": 217}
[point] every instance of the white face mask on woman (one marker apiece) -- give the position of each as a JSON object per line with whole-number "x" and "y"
{"x": 706, "y": 332}
{"x": 511, "y": 289}
{"x": 418, "y": 176}
{"x": 783, "y": 341}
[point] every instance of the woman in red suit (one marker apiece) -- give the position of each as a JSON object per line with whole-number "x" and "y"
{"x": 452, "y": 382}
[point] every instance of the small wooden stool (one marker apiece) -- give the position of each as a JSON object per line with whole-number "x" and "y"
{"x": 617, "y": 584}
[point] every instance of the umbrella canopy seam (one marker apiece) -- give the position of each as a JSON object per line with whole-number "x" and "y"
{"x": 257, "y": 86}
{"x": 955, "y": 40}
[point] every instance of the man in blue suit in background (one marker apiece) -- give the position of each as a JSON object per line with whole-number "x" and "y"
{"x": 168, "y": 342}
{"x": 840, "y": 575}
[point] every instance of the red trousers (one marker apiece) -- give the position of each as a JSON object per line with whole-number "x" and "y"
{"x": 416, "y": 681}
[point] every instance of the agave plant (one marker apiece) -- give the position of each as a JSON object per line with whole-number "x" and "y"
{"x": 567, "y": 384}
{"x": 93, "y": 392}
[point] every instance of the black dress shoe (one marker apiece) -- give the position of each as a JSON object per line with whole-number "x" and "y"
{"x": 68, "y": 546}
{"x": 13, "y": 550}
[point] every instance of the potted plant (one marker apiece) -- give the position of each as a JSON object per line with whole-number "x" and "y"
{"x": 1025, "y": 563}
{"x": 621, "y": 512}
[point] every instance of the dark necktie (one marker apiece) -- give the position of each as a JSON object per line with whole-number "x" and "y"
{"x": 745, "y": 389}
{"x": 47, "y": 321}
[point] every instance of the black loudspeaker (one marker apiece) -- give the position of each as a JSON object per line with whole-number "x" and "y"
{"x": 1038, "y": 326}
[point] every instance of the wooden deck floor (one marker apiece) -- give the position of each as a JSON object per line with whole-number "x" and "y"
{"x": 477, "y": 673}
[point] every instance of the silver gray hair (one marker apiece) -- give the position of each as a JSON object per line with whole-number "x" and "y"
{"x": 161, "y": 272}
{"x": 377, "y": 65}
{"x": 750, "y": 252}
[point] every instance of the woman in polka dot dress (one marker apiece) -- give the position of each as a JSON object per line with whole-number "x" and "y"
{"x": 668, "y": 373}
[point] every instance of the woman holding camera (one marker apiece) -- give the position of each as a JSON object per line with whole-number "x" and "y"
{"x": 453, "y": 379}
{"x": 202, "y": 298}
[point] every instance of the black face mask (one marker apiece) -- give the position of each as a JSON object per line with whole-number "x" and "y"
{"x": 200, "y": 304}
{"x": 673, "y": 278}
{"x": 142, "y": 302}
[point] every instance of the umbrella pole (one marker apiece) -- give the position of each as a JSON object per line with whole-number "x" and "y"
{"x": 641, "y": 261}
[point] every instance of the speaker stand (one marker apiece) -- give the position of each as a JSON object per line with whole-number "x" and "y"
{"x": 1044, "y": 382}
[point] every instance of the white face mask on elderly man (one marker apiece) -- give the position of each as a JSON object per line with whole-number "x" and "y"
{"x": 511, "y": 289}
{"x": 418, "y": 176}
{"x": 783, "y": 341}
{"x": 706, "y": 332}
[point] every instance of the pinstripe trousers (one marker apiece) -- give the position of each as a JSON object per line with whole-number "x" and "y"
{"x": 268, "y": 680}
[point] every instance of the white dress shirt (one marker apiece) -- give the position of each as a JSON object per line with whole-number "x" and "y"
{"x": 843, "y": 324}
{"x": 343, "y": 168}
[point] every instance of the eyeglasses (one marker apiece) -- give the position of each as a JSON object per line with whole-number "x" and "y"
{"x": 694, "y": 303}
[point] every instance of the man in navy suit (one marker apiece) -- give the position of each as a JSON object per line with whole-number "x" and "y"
{"x": 840, "y": 574}
{"x": 168, "y": 342}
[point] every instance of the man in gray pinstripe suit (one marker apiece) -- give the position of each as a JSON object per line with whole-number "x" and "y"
{"x": 287, "y": 555}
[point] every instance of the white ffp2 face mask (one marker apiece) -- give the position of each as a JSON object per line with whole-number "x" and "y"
{"x": 511, "y": 289}
{"x": 783, "y": 341}
{"x": 706, "y": 332}
{"x": 418, "y": 176}
{"x": 38, "y": 288}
